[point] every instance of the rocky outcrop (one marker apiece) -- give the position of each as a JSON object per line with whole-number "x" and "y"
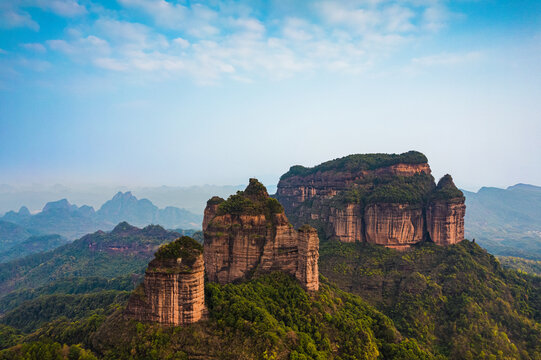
{"x": 173, "y": 290}
{"x": 445, "y": 213}
{"x": 250, "y": 233}
{"x": 384, "y": 199}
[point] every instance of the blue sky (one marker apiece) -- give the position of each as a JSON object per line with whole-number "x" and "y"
{"x": 152, "y": 92}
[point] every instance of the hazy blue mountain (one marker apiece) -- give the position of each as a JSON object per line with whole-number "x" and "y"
{"x": 16, "y": 217}
{"x": 191, "y": 198}
{"x": 506, "y": 221}
{"x": 32, "y": 245}
{"x": 11, "y": 234}
{"x": 70, "y": 221}
{"x": 61, "y": 217}
{"x": 126, "y": 207}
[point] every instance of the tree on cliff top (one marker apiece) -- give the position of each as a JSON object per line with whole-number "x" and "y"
{"x": 446, "y": 189}
{"x": 254, "y": 200}
{"x": 358, "y": 162}
{"x": 184, "y": 247}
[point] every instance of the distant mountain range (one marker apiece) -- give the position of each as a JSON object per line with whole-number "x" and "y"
{"x": 124, "y": 250}
{"x": 506, "y": 221}
{"x": 69, "y": 222}
{"x": 191, "y": 198}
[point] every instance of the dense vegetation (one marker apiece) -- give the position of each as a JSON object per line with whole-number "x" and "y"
{"x": 268, "y": 317}
{"x": 32, "y": 314}
{"x": 125, "y": 250}
{"x": 184, "y": 247}
{"x": 446, "y": 189}
{"x": 253, "y": 201}
{"x": 522, "y": 265}
{"x": 358, "y": 162}
{"x": 73, "y": 285}
{"x": 431, "y": 302}
{"x": 32, "y": 245}
{"x": 456, "y": 301}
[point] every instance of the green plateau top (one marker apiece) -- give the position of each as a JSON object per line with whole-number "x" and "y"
{"x": 358, "y": 162}
{"x": 254, "y": 200}
{"x": 184, "y": 247}
{"x": 446, "y": 189}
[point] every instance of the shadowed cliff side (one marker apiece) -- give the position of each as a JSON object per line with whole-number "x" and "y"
{"x": 250, "y": 233}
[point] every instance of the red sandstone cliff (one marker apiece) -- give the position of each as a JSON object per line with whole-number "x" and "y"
{"x": 377, "y": 198}
{"x": 173, "y": 290}
{"x": 394, "y": 225}
{"x": 250, "y": 233}
{"x": 445, "y": 213}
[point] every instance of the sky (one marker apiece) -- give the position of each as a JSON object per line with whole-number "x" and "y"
{"x": 155, "y": 92}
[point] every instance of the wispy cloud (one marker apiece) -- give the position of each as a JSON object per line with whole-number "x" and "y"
{"x": 67, "y": 8}
{"x": 192, "y": 40}
{"x": 36, "y": 47}
{"x": 12, "y": 17}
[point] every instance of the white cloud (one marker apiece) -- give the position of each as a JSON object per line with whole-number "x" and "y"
{"x": 15, "y": 18}
{"x": 130, "y": 35}
{"x": 37, "y": 47}
{"x": 67, "y": 8}
{"x": 183, "y": 43}
{"x": 349, "y": 37}
{"x": 82, "y": 48}
{"x": 197, "y": 20}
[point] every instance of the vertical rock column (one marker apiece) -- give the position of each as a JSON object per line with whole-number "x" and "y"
{"x": 173, "y": 292}
{"x": 307, "y": 264}
{"x": 445, "y": 221}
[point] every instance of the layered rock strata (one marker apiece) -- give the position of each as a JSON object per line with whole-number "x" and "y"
{"x": 385, "y": 199}
{"x": 250, "y": 233}
{"x": 173, "y": 290}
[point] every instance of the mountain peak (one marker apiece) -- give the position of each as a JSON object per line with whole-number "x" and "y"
{"x": 24, "y": 211}
{"x": 123, "y": 196}
{"x": 522, "y": 186}
{"x": 124, "y": 228}
{"x": 60, "y": 204}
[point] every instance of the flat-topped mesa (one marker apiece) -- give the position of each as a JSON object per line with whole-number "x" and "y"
{"x": 173, "y": 292}
{"x": 250, "y": 233}
{"x": 378, "y": 198}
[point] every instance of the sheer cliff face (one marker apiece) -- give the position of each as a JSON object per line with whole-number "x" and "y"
{"x": 250, "y": 233}
{"x": 173, "y": 291}
{"x": 377, "y": 198}
{"x": 393, "y": 225}
{"x": 445, "y": 221}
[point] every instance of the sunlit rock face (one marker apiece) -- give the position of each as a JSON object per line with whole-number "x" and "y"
{"x": 249, "y": 233}
{"x": 445, "y": 214}
{"x": 385, "y": 199}
{"x": 173, "y": 291}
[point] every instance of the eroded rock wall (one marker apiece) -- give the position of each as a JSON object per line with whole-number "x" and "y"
{"x": 336, "y": 198}
{"x": 238, "y": 245}
{"x": 394, "y": 225}
{"x": 172, "y": 293}
{"x": 445, "y": 221}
